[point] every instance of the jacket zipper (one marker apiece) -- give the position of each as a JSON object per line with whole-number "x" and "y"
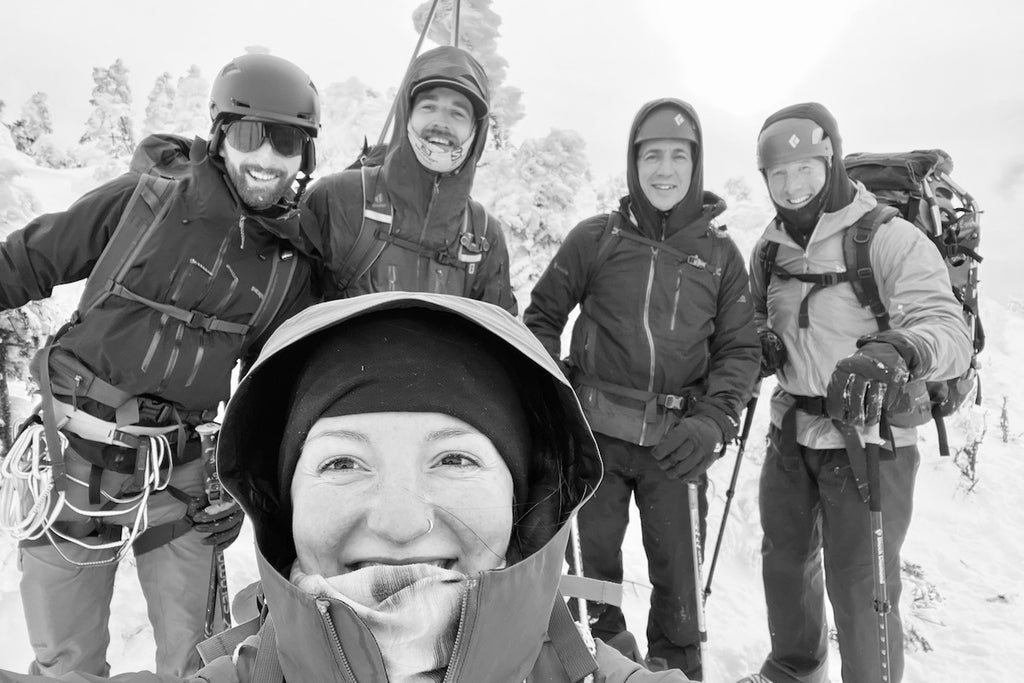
{"x": 325, "y": 616}
{"x": 434, "y": 192}
{"x": 453, "y": 664}
{"x": 172, "y": 360}
{"x": 647, "y": 322}
{"x": 675, "y": 301}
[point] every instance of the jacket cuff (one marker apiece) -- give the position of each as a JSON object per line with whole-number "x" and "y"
{"x": 726, "y": 423}
{"x": 914, "y": 354}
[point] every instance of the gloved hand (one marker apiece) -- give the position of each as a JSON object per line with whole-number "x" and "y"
{"x": 221, "y": 523}
{"x": 689, "y": 448}
{"x": 865, "y": 383}
{"x": 773, "y": 353}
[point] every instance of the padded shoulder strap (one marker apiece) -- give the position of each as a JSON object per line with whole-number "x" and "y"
{"x": 473, "y": 242}
{"x": 144, "y": 212}
{"x": 282, "y": 274}
{"x": 367, "y": 247}
{"x": 857, "y": 255}
{"x": 604, "y": 247}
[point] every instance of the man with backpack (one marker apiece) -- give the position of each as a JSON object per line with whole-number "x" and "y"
{"x": 409, "y": 223}
{"x": 192, "y": 257}
{"x": 663, "y": 357}
{"x": 851, "y": 389}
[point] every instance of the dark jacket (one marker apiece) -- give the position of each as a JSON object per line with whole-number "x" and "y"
{"x": 651, "y": 320}
{"x": 211, "y": 255}
{"x": 429, "y": 208}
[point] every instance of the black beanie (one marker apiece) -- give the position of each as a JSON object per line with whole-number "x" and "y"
{"x": 408, "y": 360}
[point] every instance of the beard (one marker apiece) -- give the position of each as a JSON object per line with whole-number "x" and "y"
{"x": 259, "y": 194}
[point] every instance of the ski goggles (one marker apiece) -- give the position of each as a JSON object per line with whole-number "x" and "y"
{"x": 248, "y": 136}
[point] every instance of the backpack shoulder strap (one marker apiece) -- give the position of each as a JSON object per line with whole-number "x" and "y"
{"x": 857, "y": 253}
{"x": 473, "y": 242}
{"x": 145, "y": 210}
{"x": 282, "y": 274}
{"x": 767, "y": 252}
{"x": 572, "y": 652}
{"x": 604, "y": 248}
{"x": 376, "y": 216}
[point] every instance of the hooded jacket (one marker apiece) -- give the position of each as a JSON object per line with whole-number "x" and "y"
{"x": 912, "y": 280}
{"x": 650, "y": 320}
{"x": 505, "y": 612}
{"x": 429, "y": 208}
{"x": 211, "y": 254}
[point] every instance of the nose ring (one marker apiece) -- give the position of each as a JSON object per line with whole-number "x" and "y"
{"x": 430, "y": 525}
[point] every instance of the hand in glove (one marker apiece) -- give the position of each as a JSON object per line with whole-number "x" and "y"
{"x": 221, "y": 523}
{"x": 773, "y": 353}
{"x": 689, "y": 448}
{"x": 865, "y": 383}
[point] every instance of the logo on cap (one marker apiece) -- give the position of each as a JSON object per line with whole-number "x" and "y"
{"x": 794, "y": 141}
{"x": 679, "y": 119}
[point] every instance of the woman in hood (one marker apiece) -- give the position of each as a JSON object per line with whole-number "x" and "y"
{"x": 410, "y": 463}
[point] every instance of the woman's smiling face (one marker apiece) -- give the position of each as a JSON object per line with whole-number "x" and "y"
{"x": 400, "y": 488}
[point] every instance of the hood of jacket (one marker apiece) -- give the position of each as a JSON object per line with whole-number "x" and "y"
{"x": 506, "y": 611}
{"x": 691, "y": 209}
{"x": 410, "y": 185}
{"x": 839, "y": 190}
{"x": 174, "y": 156}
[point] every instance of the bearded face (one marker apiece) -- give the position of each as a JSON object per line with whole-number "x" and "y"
{"x": 261, "y": 177}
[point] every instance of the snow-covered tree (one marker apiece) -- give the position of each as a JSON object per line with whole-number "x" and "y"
{"x": 25, "y": 329}
{"x": 191, "y": 115}
{"x": 109, "y": 126}
{"x": 478, "y": 35}
{"x": 349, "y": 111}
{"x": 160, "y": 109}
{"x": 33, "y": 123}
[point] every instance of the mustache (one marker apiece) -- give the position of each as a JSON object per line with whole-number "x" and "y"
{"x": 436, "y": 131}
{"x": 266, "y": 170}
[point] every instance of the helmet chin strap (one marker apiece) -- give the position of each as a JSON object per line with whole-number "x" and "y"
{"x": 438, "y": 158}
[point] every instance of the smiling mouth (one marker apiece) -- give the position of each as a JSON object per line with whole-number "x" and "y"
{"x": 802, "y": 199}
{"x": 663, "y": 187}
{"x": 261, "y": 176}
{"x": 447, "y": 563}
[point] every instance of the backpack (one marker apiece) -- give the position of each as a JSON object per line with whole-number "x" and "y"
{"x": 375, "y": 230}
{"x": 915, "y": 185}
{"x": 144, "y": 213}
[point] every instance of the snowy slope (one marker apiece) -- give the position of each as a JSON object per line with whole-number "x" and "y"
{"x": 963, "y": 599}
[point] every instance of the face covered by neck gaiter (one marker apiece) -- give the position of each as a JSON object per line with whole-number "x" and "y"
{"x": 438, "y": 158}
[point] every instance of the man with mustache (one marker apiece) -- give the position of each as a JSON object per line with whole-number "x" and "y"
{"x": 410, "y": 224}
{"x": 215, "y": 265}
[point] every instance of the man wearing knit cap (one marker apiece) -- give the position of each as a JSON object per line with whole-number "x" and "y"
{"x": 848, "y": 385}
{"x": 663, "y": 357}
{"x": 409, "y": 223}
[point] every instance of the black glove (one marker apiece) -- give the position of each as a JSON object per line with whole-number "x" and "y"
{"x": 773, "y": 353}
{"x": 689, "y": 448}
{"x": 221, "y": 523}
{"x": 865, "y": 383}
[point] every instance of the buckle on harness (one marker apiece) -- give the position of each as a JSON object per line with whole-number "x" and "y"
{"x": 675, "y": 402}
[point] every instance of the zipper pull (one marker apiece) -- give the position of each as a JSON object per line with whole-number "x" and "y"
{"x": 241, "y": 231}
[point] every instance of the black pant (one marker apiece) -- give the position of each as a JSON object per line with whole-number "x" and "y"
{"x": 631, "y": 470}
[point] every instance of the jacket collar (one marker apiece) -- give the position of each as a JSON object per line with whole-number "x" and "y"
{"x": 830, "y": 223}
{"x": 501, "y": 631}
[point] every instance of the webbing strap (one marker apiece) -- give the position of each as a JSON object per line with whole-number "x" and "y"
{"x": 191, "y": 318}
{"x": 224, "y": 643}
{"x": 569, "y": 646}
{"x": 365, "y": 250}
{"x": 690, "y": 259}
{"x": 267, "y": 667}
{"x": 671, "y": 401}
{"x": 154, "y": 537}
{"x": 54, "y": 452}
{"x": 590, "y": 589}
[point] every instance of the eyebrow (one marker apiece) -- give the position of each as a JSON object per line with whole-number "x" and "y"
{"x": 447, "y": 433}
{"x": 343, "y": 434}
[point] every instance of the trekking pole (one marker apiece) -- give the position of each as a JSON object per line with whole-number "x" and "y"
{"x": 881, "y": 603}
{"x": 691, "y": 491}
{"x": 455, "y": 23}
{"x": 581, "y": 603}
{"x": 742, "y": 441}
{"x": 218, "y": 500}
{"x": 415, "y": 53}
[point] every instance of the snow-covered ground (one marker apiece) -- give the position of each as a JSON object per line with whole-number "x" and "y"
{"x": 963, "y": 578}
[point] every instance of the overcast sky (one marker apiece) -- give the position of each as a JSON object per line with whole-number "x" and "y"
{"x": 897, "y": 75}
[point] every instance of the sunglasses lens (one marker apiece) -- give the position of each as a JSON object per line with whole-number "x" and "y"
{"x": 287, "y": 140}
{"x": 245, "y": 136}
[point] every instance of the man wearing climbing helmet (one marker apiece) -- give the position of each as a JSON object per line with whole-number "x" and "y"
{"x": 201, "y": 259}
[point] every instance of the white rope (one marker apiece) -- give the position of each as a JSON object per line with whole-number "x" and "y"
{"x": 27, "y": 511}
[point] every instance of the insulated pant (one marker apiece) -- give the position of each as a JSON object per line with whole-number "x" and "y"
{"x": 672, "y": 628}
{"x": 810, "y": 511}
{"x": 67, "y": 608}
